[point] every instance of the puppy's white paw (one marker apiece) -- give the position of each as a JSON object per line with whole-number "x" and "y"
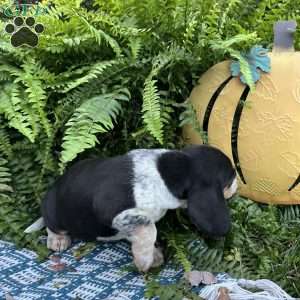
{"x": 143, "y": 263}
{"x": 143, "y": 238}
{"x": 158, "y": 259}
{"x": 58, "y": 242}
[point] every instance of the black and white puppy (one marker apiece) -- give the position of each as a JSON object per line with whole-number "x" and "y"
{"x": 122, "y": 198}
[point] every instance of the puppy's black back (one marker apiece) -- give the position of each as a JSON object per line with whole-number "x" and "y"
{"x": 84, "y": 192}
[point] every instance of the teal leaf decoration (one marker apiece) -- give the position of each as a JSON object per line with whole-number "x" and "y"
{"x": 258, "y": 59}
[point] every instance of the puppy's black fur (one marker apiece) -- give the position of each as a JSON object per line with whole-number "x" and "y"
{"x": 86, "y": 199}
{"x": 88, "y": 196}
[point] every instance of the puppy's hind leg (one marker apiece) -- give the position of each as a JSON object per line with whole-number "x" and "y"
{"x": 58, "y": 242}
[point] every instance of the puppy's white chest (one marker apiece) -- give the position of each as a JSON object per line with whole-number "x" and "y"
{"x": 150, "y": 192}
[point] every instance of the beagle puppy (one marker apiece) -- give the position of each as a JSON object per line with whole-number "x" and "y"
{"x": 124, "y": 196}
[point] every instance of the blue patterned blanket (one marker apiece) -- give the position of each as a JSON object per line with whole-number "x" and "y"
{"x": 101, "y": 274}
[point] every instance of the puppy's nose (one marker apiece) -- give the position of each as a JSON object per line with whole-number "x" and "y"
{"x": 221, "y": 231}
{"x": 217, "y": 234}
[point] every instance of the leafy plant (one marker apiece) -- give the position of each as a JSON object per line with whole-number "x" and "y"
{"x": 96, "y": 115}
{"x": 263, "y": 243}
{"x": 189, "y": 117}
{"x": 177, "y": 291}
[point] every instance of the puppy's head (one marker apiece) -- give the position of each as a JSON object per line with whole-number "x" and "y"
{"x": 213, "y": 181}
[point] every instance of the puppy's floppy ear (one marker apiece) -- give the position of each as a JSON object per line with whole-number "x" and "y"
{"x": 175, "y": 169}
{"x": 208, "y": 211}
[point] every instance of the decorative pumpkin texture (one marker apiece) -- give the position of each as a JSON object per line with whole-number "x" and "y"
{"x": 259, "y": 131}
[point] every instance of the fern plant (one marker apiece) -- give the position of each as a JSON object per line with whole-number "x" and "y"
{"x": 96, "y": 115}
{"x": 263, "y": 243}
{"x": 176, "y": 291}
{"x": 5, "y": 178}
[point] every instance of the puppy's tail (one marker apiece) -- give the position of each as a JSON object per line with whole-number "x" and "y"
{"x": 37, "y": 225}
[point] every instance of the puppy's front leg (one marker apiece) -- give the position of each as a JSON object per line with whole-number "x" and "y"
{"x": 140, "y": 230}
{"x": 145, "y": 255}
{"x": 158, "y": 258}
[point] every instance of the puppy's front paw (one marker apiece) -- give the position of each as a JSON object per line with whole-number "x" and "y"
{"x": 143, "y": 263}
{"x": 158, "y": 258}
{"x": 58, "y": 242}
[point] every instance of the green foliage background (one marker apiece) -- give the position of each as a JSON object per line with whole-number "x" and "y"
{"x": 109, "y": 76}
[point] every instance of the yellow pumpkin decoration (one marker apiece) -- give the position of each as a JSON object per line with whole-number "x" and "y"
{"x": 259, "y": 130}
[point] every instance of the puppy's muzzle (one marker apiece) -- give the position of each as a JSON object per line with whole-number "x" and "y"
{"x": 230, "y": 191}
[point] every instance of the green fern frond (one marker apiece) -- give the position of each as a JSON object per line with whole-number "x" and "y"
{"x": 37, "y": 98}
{"x": 15, "y": 215}
{"x": 211, "y": 20}
{"x": 5, "y": 177}
{"x": 180, "y": 255}
{"x": 214, "y": 259}
{"x": 96, "y": 115}
{"x": 245, "y": 68}
{"x": 124, "y": 28}
{"x": 11, "y": 70}
{"x": 4, "y": 76}
{"x": 290, "y": 213}
{"x": 11, "y": 107}
{"x": 227, "y": 47}
{"x": 178, "y": 291}
{"x": 35, "y": 92}
{"x": 152, "y": 110}
{"x": 230, "y": 5}
{"x": 6, "y": 48}
{"x": 189, "y": 117}
{"x": 239, "y": 39}
{"x": 100, "y": 35}
{"x": 191, "y": 29}
{"x": 47, "y": 162}
{"x": 135, "y": 45}
{"x": 5, "y": 145}
{"x": 26, "y": 171}
{"x": 93, "y": 72}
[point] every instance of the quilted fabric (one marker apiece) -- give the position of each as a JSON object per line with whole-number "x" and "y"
{"x": 100, "y": 274}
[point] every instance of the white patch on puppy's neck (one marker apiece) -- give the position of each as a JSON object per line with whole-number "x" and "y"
{"x": 149, "y": 189}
